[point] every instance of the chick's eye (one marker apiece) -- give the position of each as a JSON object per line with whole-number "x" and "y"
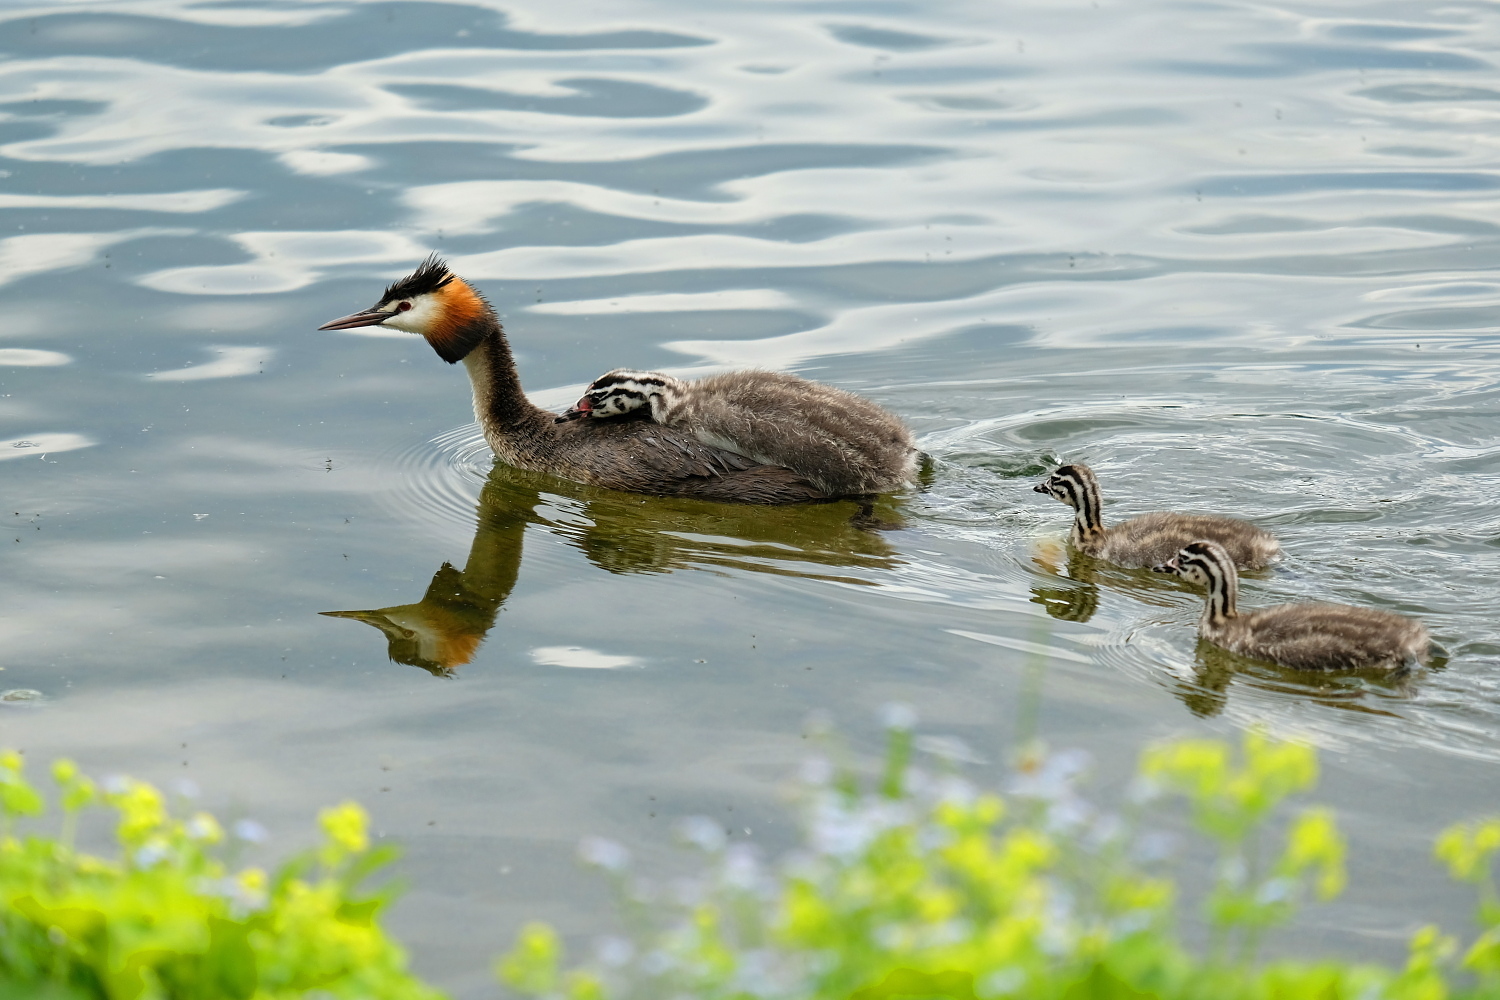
{"x": 403, "y": 307}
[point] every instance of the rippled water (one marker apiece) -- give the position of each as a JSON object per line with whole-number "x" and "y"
{"x": 1238, "y": 257}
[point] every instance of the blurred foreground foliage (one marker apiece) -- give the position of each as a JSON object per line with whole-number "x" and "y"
{"x": 918, "y": 886}
{"x": 924, "y": 886}
{"x": 168, "y": 918}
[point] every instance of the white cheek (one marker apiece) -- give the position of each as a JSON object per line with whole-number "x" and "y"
{"x": 420, "y": 318}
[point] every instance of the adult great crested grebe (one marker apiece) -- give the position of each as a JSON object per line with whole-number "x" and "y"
{"x": 631, "y": 455}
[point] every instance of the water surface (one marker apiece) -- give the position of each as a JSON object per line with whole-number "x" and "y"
{"x": 1239, "y": 258}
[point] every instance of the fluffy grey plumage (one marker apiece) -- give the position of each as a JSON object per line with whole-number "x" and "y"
{"x": 635, "y": 456}
{"x": 843, "y": 444}
{"x": 1300, "y": 636}
{"x": 1145, "y": 541}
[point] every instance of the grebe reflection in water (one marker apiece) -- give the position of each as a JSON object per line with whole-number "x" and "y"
{"x": 619, "y": 533}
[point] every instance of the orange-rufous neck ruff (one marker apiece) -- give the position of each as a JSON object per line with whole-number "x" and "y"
{"x": 461, "y": 322}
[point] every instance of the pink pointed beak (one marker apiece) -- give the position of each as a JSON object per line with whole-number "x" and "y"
{"x": 367, "y": 317}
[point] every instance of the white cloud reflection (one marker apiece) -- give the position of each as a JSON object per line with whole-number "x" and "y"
{"x": 286, "y": 261}
{"x": 40, "y": 445}
{"x": 38, "y": 253}
{"x": 166, "y": 201}
{"x": 30, "y": 357}
{"x": 231, "y": 362}
{"x": 735, "y": 298}
{"x": 578, "y": 656}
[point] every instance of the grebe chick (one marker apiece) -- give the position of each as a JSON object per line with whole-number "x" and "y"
{"x": 1300, "y": 636}
{"x": 1143, "y": 542}
{"x": 633, "y": 456}
{"x": 843, "y": 444}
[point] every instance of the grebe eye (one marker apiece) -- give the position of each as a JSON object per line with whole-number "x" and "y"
{"x": 403, "y": 307}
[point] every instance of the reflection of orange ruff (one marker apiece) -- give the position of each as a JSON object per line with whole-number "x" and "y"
{"x": 911, "y": 983}
{"x": 425, "y": 634}
{"x": 458, "y": 329}
{"x": 458, "y": 650}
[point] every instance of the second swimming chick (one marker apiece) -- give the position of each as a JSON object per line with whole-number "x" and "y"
{"x": 1146, "y": 541}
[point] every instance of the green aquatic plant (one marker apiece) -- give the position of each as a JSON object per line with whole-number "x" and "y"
{"x": 1231, "y": 803}
{"x": 168, "y": 918}
{"x": 922, "y": 885}
{"x": 1468, "y": 850}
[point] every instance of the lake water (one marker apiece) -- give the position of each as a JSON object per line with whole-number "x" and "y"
{"x": 1239, "y": 257}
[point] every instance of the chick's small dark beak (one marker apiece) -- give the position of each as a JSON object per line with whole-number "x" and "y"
{"x": 1170, "y": 566}
{"x": 1039, "y": 488}
{"x": 365, "y": 317}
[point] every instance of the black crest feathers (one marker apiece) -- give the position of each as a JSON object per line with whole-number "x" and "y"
{"x": 429, "y": 276}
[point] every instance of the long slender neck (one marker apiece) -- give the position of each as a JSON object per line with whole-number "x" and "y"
{"x": 1088, "y": 522}
{"x": 510, "y": 422}
{"x": 1223, "y": 595}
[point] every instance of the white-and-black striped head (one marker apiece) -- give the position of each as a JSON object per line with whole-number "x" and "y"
{"x": 1199, "y": 563}
{"x": 619, "y": 392}
{"x": 1070, "y": 483}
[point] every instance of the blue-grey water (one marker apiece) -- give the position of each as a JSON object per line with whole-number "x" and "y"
{"x": 1239, "y": 257}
